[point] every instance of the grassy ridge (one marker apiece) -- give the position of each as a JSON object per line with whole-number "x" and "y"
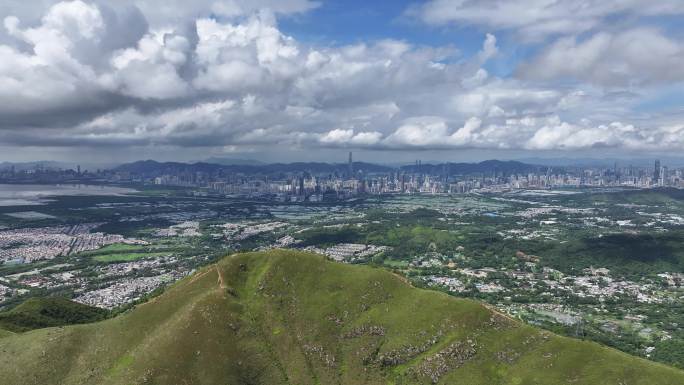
{"x": 37, "y": 313}
{"x": 291, "y": 318}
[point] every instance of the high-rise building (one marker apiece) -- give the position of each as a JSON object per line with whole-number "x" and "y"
{"x": 351, "y": 166}
{"x": 656, "y": 172}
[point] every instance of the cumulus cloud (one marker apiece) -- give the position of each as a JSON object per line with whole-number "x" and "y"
{"x": 222, "y": 75}
{"x": 53, "y": 75}
{"x": 150, "y": 70}
{"x": 347, "y": 137}
{"x": 244, "y": 57}
{"x": 533, "y": 133}
{"x": 489, "y": 48}
{"x": 419, "y": 132}
{"x": 633, "y": 57}
{"x": 165, "y": 13}
{"x": 434, "y": 132}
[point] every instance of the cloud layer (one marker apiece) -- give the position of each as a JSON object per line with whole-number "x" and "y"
{"x": 223, "y": 75}
{"x": 535, "y": 19}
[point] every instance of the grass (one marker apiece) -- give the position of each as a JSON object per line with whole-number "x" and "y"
{"x": 127, "y": 257}
{"x": 5, "y": 333}
{"x": 119, "y": 247}
{"x": 395, "y": 264}
{"x": 284, "y": 317}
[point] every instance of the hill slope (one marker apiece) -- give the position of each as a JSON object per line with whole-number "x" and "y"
{"x": 292, "y": 318}
{"x": 5, "y": 333}
{"x": 37, "y": 313}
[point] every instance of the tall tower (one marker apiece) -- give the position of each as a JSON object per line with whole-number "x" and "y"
{"x": 656, "y": 172}
{"x": 351, "y": 166}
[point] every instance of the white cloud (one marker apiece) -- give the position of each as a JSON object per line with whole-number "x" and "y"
{"x": 243, "y": 57}
{"x": 51, "y": 75}
{"x": 166, "y": 13}
{"x": 632, "y": 57}
{"x": 496, "y": 96}
{"x": 555, "y": 134}
{"x": 337, "y": 136}
{"x": 427, "y": 131}
{"x": 535, "y": 19}
{"x": 466, "y": 134}
{"x": 489, "y": 48}
{"x": 78, "y": 77}
{"x": 533, "y": 133}
{"x": 342, "y": 137}
{"x": 151, "y": 70}
{"x": 74, "y": 19}
{"x": 367, "y": 138}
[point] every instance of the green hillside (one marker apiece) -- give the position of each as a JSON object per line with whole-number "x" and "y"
{"x": 291, "y": 318}
{"x": 37, "y": 313}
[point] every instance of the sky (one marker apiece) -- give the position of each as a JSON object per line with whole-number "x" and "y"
{"x": 305, "y": 80}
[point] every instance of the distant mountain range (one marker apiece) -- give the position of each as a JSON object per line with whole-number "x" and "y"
{"x": 234, "y": 161}
{"x": 42, "y": 164}
{"x": 251, "y": 166}
{"x": 50, "y": 165}
{"x": 151, "y": 167}
{"x": 605, "y": 162}
{"x": 486, "y": 167}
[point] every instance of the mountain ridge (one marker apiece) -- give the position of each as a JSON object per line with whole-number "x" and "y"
{"x": 36, "y": 313}
{"x": 285, "y": 317}
{"x": 151, "y": 167}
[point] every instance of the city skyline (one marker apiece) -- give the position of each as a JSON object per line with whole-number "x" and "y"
{"x": 301, "y": 80}
{"x": 318, "y": 182}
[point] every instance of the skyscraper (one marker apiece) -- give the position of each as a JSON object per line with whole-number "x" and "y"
{"x": 656, "y": 172}
{"x": 351, "y": 166}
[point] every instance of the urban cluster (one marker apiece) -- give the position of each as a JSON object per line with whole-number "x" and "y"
{"x": 307, "y": 182}
{"x": 27, "y": 245}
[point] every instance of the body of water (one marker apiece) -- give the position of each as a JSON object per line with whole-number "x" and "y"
{"x": 38, "y": 194}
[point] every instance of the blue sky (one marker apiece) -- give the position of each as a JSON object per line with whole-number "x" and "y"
{"x": 354, "y": 21}
{"x": 310, "y": 80}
